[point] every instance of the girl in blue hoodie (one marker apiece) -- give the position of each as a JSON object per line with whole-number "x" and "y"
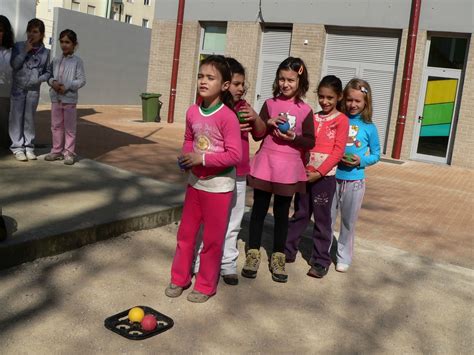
{"x": 362, "y": 150}
{"x": 29, "y": 60}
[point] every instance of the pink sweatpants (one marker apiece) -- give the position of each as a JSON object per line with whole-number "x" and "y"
{"x": 211, "y": 210}
{"x": 63, "y": 128}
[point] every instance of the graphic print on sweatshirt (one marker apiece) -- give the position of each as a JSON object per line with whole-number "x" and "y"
{"x": 352, "y": 138}
{"x": 205, "y": 136}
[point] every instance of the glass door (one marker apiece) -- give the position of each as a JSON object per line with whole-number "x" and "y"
{"x": 436, "y": 114}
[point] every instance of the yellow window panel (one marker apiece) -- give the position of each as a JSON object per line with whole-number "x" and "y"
{"x": 441, "y": 91}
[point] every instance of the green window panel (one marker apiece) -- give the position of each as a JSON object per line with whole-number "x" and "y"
{"x": 438, "y": 114}
{"x": 214, "y": 39}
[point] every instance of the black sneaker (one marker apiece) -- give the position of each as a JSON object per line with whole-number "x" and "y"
{"x": 318, "y": 271}
{"x": 231, "y": 279}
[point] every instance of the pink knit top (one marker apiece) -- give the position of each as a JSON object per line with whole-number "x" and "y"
{"x": 217, "y": 135}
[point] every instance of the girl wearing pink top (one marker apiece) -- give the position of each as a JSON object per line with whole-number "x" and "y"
{"x": 331, "y": 128}
{"x": 251, "y": 123}
{"x": 211, "y": 150}
{"x": 277, "y": 168}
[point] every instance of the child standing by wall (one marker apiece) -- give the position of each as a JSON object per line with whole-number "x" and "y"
{"x": 6, "y": 44}
{"x": 277, "y": 168}
{"x": 67, "y": 78}
{"x": 362, "y": 150}
{"x": 30, "y": 61}
{"x": 331, "y": 128}
{"x": 249, "y": 122}
{"x": 211, "y": 150}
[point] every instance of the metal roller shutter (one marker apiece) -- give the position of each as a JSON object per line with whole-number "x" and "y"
{"x": 274, "y": 49}
{"x": 370, "y": 55}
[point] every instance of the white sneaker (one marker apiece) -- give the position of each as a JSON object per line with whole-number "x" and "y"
{"x": 340, "y": 267}
{"x": 20, "y": 156}
{"x": 31, "y": 155}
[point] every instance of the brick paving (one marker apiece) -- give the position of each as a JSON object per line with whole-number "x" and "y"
{"x": 417, "y": 207}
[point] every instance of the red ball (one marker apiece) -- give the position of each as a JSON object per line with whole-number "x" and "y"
{"x": 148, "y": 322}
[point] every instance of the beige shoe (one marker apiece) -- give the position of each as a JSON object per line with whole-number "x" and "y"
{"x": 197, "y": 297}
{"x": 20, "y": 156}
{"x": 31, "y": 155}
{"x": 53, "y": 157}
{"x": 277, "y": 267}
{"x": 173, "y": 291}
{"x": 340, "y": 267}
{"x": 252, "y": 262}
{"x": 69, "y": 160}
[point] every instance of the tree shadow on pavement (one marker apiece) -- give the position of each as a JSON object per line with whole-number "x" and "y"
{"x": 93, "y": 140}
{"x": 381, "y": 305}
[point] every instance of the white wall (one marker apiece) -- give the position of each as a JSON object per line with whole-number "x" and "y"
{"x": 115, "y": 57}
{"x": 436, "y": 15}
{"x": 19, "y": 12}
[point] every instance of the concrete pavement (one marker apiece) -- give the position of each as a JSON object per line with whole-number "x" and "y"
{"x": 391, "y": 301}
{"x": 50, "y": 208}
{"x": 418, "y": 207}
{"x": 409, "y": 291}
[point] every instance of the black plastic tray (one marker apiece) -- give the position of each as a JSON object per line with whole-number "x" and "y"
{"x": 120, "y": 324}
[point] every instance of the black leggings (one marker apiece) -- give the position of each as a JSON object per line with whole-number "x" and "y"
{"x": 281, "y": 208}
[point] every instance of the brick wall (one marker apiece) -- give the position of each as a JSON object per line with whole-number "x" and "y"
{"x": 312, "y": 54}
{"x": 243, "y": 43}
{"x": 414, "y": 94}
{"x": 463, "y": 152}
{"x": 161, "y": 63}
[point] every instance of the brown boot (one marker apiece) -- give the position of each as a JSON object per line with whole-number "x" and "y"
{"x": 252, "y": 262}
{"x": 277, "y": 267}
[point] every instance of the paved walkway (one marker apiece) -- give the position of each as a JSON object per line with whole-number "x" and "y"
{"x": 417, "y": 207}
{"x": 390, "y": 302}
{"x": 409, "y": 291}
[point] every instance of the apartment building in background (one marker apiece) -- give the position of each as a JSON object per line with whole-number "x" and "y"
{"x": 134, "y": 12}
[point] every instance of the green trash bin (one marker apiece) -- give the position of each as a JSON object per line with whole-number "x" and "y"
{"x": 151, "y": 106}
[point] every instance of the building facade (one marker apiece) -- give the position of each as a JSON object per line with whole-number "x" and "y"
{"x": 349, "y": 39}
{"x": 135, "y": 12}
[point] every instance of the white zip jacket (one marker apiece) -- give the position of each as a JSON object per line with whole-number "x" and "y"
{"x": 68, "y": 71}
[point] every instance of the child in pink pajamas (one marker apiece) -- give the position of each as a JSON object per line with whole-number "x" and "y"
{"x": 211, "y": 150}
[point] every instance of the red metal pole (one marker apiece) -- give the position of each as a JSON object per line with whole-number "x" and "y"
{"x": 407, "y": 73}
{"x": 177, "y": 50}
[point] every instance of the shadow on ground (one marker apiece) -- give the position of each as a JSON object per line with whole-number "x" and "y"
{"x": 387, "y": 304}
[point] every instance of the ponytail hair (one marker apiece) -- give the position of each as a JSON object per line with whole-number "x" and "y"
{"x": 364, "y": 87}
{"x": 8, "y": 38}
{"x": 335, "y": 84}
{"x": 297, "y": 65}
{"x": 70, "y": 34}
{"x": 220, "y": 63}
{"x": 36, "y": 23}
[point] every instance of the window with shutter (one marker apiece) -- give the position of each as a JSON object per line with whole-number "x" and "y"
{"x": 274, "y": 49}
{"x": 370, "y": 55}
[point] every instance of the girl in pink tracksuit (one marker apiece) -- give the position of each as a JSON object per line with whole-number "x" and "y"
{"x": 278, "y": 168}
{"x": 211, "y": 150}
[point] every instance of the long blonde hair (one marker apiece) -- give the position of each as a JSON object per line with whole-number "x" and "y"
{"x": 361, "y": 85}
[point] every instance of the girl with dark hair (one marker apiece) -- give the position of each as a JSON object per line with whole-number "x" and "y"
{"x": 211, "y": 150}
{"x": 251, "y": 123}
{"x": 6, "y": 44}
{"x": 30, "y": 60}
{"x": 277, "y": 168}
{"x": 67, "y": 78}
{"x": 330, "y": 129}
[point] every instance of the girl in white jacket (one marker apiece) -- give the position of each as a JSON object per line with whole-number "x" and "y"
{"x": 67, "y": 77}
